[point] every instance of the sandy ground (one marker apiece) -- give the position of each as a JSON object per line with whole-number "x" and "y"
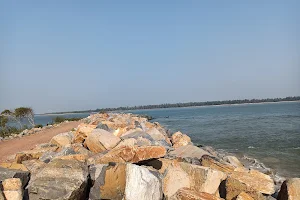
{"x": 10, "y": 147}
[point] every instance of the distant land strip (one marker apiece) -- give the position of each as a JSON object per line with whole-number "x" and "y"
{"x": 189, "y": 104}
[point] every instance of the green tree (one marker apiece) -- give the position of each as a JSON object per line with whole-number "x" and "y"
{"x": 25, "y": 112}
{"x": 11, "y": 115}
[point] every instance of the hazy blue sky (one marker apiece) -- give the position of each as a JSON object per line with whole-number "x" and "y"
{"x": 73, "y": 55}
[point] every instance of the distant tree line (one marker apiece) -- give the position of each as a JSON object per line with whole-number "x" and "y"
{"x": 189, "y": 104}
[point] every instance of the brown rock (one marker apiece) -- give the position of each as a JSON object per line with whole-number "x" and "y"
{"x": 208, "y": 161}
{"x": 115, "y": 182}
{"x": 179, "y": 139}
{"x": 131, "y": 154}
{"x": 254, "y": 183}
{"x": 203, "y": 179}
{"x": 233, "y": 161}
{"x": 100, "y": 140}
{"x": 78, "y": 157}
{"x": 13, "y": 166}
{"x": 188, "y": 152}
{"x": 188, "y": 194}
{"x": 33, "y": 154}
{"x": 290, "y": 190}
{"x": 244, "y": 196}
{"x": 156, "y": 134}
{"x": 62, "y": 139}
{"x": 12, "y": 189}
{"x": 83, "y": 130}
{"x": 33, "y": 165}
{"x": 78, "y": 148}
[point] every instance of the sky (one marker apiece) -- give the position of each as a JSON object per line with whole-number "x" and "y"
{"x": 78, "y": 55}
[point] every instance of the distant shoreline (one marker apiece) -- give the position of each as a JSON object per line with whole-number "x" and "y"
{"x": 93, "y": 111}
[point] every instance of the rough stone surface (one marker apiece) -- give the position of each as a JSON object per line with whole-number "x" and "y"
{"x": 32, "y": 154}
{"x": 217, "y": 164}
{"x": 13, "y": 166}
{"x": 188, "y": 152}
{"x": 83, "y": 130}
{"x": 188, "y": 194}
{"x": 179, "y": 139}
{"x": 142, "y": 184}
{"x": 33, "y": 165}
{"x": 60, "y": 179}
{"x": 290, "y": 190}
{"x": 13, "y": 173}
{"x": 48, "y": 156}
{"x": 12, "y": 184}
{"x": 63, "y": 139}
{"x": 244, "y": 196}
{"x": 100, "y": 140}
{"x": 156, "y": 134}
{"x": 131, "y": 154}
{"x": 203, "y": 179}
{"x": 13, "y": 195}
{"x": 233, "y": 161}
{"x": 97, "y": 175}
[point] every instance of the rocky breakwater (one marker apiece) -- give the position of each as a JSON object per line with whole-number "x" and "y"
{"x": 123, "y": 156}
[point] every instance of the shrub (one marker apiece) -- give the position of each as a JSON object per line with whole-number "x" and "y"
{"x": 38, "y": 126}
{"x": 58, "y": 119}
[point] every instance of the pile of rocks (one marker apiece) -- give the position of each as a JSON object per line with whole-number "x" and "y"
{"x": 123, "y": 156}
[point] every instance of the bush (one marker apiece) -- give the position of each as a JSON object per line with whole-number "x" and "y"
{"x": 38, "y": 126}
{"x": 58, "y": 120}
{"x": 9, "y": 131}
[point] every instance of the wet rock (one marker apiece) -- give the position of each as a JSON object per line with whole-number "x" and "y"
{"x": 131, "y": 154}
{"x": 60, "y": 179}
{"x": 179, "y": 139}
{"x": 12, "y": 189}
{"x": 33, "y": 154}
{"x": 188, "y": 194}
{"x": 244, "y": 196}
{"x": 142, "y": 184}
{"x": 100, "y": 140}
{"x": 83, "y": 130}
{"x": 203, "y": 179}
{"x": 13, "y": 173}
{"x": 290, "y": 190}
{"x": 233, "y": 161}
{"x": 63, "y": 139}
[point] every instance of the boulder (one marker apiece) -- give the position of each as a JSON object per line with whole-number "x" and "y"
{"x": 13, "y": 173}
{"x": 78, "y": 157}
{"x": 142, "y": 184}
{"x": 48, "y": 156}
{"x": 100, "y": 140}
{"x": 244, "y": 196}
{"x": 131, "y": 154}
{"x": 127, "y": 142}
{"x": 12, "y": 189}
{"x": 290, "y": 190}
{"x": 217, "y": 164}
{"x": 33, "y": 165}
{"x": 97, "y": 175}
{"x": 78, "y": 148}
{"x": 254, "y": 183}
{"x": 188, "y": 194}
{"x": 138, "y": 135}
{"x": 63, "y": 139}
{"x": 188, "y": 153}
{"x": 114, "y": 182}
{"x": 203, "y": 179}
{"x": 233, "y": 161}
{"x": 33, "y": 154}
{"x": 17, "y": 166}
{"x": 60, "y": 179}
{"x": 179, "y": 139}
{"x": 174, "y": 179}
{"x": 156, "y": 134}
{"x": 83, "y": 130}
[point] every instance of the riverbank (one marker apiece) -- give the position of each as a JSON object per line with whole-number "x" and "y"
{"x": 123, "y": 156}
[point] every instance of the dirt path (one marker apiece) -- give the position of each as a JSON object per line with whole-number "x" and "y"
{"x": 13, "y": 146}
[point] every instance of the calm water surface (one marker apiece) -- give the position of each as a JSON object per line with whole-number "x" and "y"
{"x": 268, "y": 132}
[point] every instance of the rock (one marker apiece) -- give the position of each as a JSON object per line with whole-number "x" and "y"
{"x": 254, "y": 183}
{"x": 131, "y": 154}
{"x": 60, "y": 179}
{"x": 290, "y": 190}
{"x": 127, "y": 142}
{"x": 100, "y": 140}
{"x": 13, "y": 173}
{"x": 2, "y": 195}
{"x": 83, "y": 130}
{"x": 13, "y": 166}
{"x": 78, "y": 148}
{"x": 233, "y": 161}
{"x": 63, "y": 139}
{"x": 203, "y": 179}
{"x": 103, "y": 126}
{"x": 142, "y": 184}
{"x": 156, "y": 134}
{"x": 97, "y": 174}
{"x": 187, "y": 153}
{"x": 48, "y": 156}
{"x": 114, "y": 182}
{"x": 217, "y": 164}
{"x": 33, "y": 165}
{"x": 188, "y": 194}
{"x": 138, "y": 135}
{"x": 12, "y": 189}
{"x": 174, "y": 179}
{"x": 244, "y": 196}
{"x": 32, "y": 154}
{"x": 179, "y": 139}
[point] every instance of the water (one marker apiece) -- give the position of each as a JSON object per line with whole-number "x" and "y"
{"x": 269, "y": 133}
